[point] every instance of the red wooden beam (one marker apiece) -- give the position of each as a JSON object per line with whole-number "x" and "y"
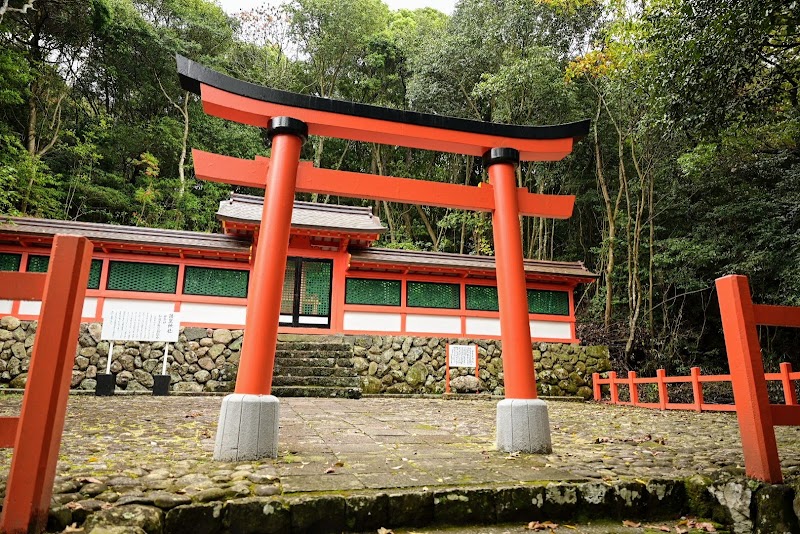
{"x": 253, "y": 173}
{"x": 226, "y": 105}
{"x": 8, "y": 431}
{"x": 768, "y": 315}
{"x": 22, "y": 286}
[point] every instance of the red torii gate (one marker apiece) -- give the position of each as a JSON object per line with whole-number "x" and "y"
{"x": 289, "y": 117}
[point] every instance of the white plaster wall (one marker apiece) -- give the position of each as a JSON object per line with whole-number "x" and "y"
{"x": 5, "y": 306}
{"x": 434, "y": 324}
{"x": 483, "y": 326}
{"x": 312, "y": 320}
{"x": 89, "y": 307}
{"x": 551, "y": 330}
{"x": 197, "y": 312}
{"x": 378, "y": 322}
{"x": 30, "y": 307}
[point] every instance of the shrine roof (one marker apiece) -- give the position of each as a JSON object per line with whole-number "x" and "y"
{"x": 37, "y": 229}
{"x": 247, "y": 208}
{"x": 465, "y": 262}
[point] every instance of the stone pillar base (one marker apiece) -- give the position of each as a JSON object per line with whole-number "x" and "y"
{"x": 247, "y": 428}
{"x": 523, "y": 426}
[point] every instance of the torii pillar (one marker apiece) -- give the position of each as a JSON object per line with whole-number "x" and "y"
{"x": 522, "y": 420}
{"x": 248, "y": 420}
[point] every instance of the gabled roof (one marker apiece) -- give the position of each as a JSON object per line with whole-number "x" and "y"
{"x": 38, "y": 229}
{"x": 432, "y": 261}
{"x": 247, "y": 209}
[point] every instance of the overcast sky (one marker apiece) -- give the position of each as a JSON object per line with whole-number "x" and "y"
{"x": 445, "y": 6}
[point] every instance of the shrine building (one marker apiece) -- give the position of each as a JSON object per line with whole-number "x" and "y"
{"x": 336, "y": 281}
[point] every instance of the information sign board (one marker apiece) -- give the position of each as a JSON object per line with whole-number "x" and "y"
{"x": 131, "y": 325}
{"x": 462, "y": 355}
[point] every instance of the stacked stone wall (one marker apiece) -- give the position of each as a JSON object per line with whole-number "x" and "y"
{"x": 207, "y": 360}
{"x": 203, "y": 359}
{"x": 406, "y": 364}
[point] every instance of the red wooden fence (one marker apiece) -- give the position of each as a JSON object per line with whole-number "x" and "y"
{"x": 786, "y": 377}
{"x": 36, "y": 434}
{"x": 757, "y": 417}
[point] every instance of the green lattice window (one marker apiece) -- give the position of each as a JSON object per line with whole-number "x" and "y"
{"x": 215, "y": 282}
{"x": 431, "y": 295}
{"x": 10, "y": 262}
{"x": 149, "y": 277}
{"x": 315, "y": 288}
{"x": 38, "y": 264}
{"x": 94, "y": 274}
{"x": 287, "y": 295}
{"x": 371, "y": 291}
{"x": 482, "y": 298}
{"x": 549, "y": 302}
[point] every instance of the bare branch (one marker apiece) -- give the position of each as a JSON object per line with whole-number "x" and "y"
{"x": 55, "y": 125}
{"x": 24, "y": 9}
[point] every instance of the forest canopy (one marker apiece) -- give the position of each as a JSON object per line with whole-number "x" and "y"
{"x": 691, "y": 170}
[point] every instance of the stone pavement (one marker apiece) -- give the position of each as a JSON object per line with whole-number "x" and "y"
{"x": 157, "y": 451}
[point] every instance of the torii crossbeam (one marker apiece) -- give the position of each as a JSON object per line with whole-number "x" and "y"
{"x": 248, "y": 425}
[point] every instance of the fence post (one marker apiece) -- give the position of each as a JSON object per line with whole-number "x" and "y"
{"x": 697, "y": 389}
{"x": 44, "y": 404}
{"x": 747, "y": 378}
{"x": 663, "y": 394}
{"x": 633, "y": 389}
{"x": 789, "y": 393}
{"x": 596, "y": 387}
{"x": 614, "y": 391}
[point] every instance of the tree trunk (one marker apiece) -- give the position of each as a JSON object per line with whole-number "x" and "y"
{"x": 184, "y": 142}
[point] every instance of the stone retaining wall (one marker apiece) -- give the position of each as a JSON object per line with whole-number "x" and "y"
{"x": 207, "y": 360}
{"x": 406, "y": 364}
{"x": 202, "y": 360}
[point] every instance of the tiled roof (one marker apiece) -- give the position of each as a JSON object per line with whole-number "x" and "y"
{"x": 109, "y": 233}
{"x": 433, "y": 260}
{"x": 247, "y": 208}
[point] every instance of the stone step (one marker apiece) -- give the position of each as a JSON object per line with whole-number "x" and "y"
{"x": 316, "y": 391}
{"x": 313, "y": 354}
{"x": 311, "y": 338}
{"x": 323, "y": 381}
{"x": 309, "y": 346}
{"x": 313, "y": 362}
{"x": 283, "y": 370}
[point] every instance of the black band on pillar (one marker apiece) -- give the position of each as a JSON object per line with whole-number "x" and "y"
{"x": 500, "y": 155}
{"x": 287, "y": 125}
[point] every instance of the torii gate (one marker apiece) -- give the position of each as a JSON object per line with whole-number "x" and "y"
{"x": 248, "y": 422}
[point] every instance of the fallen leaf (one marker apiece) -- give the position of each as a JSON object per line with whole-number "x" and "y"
{"x": 661, "y": 528}
{"x": 330, "y": 470}
{"x": 705, "y": 527}
{"x": 631, "y": 524}
{"x": 89, "y": 480}
{"x": 74, "y": 505}
{"x": 72, "y": 528}
{"x": 385, "y": 531}
{"x": 338, "y": 464}
{"x": 397, "y": 467}
{"x": 681, "y": 530}
{"x": 536, "y": 525}
{"x": 573, "y": 527}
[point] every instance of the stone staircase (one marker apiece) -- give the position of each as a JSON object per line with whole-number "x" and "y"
{"x": 315, "y": 366}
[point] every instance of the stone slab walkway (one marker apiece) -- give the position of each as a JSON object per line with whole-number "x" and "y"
{"x": 158, "y": 450}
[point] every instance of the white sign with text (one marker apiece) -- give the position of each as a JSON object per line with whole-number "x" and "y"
{"x": 131, "y": 325}
{"x": 462, "y": 355}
